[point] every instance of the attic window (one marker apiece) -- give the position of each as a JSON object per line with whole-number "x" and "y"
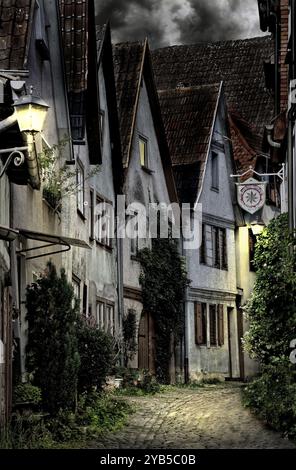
{"x": 215, "y": 171}
{"x": 143, "y": 149}
{"x": 40, "y": 32}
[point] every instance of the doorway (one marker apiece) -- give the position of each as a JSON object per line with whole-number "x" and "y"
{"x": 147, "y": 343}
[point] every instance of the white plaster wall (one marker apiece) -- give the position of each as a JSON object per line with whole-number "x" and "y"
{"x": 141, "y": 186}
{"x": 217, "y": 286}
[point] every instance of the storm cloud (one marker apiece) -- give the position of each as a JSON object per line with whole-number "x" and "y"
{"x": 168, "y": 22}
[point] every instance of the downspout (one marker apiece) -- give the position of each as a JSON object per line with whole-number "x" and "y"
{"x": 32, "y": 161}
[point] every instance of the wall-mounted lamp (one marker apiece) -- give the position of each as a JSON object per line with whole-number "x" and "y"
{"x": 31, "y": 113}
{"x": 257, "y": 228}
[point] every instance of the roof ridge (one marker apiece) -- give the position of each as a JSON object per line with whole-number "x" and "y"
{"x": 214, "y": 43}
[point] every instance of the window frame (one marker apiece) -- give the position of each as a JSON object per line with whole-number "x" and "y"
{"x": 215, "y": 183}
{"x": 104, "y": 321}
{"x": 144, "y": 140}
{"x": 106, "y": 242}
{"x": 218, "y": 252}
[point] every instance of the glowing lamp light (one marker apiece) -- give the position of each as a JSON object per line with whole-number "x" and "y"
{"x": 257, "y": 228}
{"x": 31, "y": 113}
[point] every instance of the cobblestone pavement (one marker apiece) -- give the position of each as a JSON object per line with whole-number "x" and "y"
{"x": 207, "y": 418}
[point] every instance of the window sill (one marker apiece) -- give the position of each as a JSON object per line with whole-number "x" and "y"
{"x": 135, "y": 258}
{"x": 215, "y": 190}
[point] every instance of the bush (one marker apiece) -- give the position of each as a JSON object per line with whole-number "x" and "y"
{"x": 272, "y": 315}
{"x": 27, "y": 393}
{"x": 96, "y": 357}
{"x": 52, "y": 351}
{"x": 273, "y": 397}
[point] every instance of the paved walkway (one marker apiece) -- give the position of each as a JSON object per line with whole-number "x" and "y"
{"x": 207, "y": 418}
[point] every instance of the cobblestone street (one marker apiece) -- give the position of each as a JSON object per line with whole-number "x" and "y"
{"x": 211, "y": 417}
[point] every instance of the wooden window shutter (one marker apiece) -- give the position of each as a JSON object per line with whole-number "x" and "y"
{"x": 220, "y": 325}
{"x": 198, "y": 324}
{"x": 217, "y": 247}
{"x": 224, "y": 252}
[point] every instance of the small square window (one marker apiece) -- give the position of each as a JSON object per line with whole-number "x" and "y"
{"x": 143, "y": 148}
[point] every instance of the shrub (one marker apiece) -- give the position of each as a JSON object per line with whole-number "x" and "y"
{"x": 96, "y": 357}
{"x": 27, "y": 393}
{"x": 272, "y": 315}
{"x": 273, "y": 396}
{"x": 52, "y": 351}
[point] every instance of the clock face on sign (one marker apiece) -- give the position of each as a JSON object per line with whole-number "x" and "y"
{"x": 251, "y": 195}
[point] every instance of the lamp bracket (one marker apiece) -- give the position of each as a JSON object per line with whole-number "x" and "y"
{"x": 16, "y": 154}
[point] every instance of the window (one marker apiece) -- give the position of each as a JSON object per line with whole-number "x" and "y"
{"x": 100, "y": 314}
{"x": 77, "y": 117}
{"x": 213, "y": 251}
{"x": 85, "y": 303}
{"x": 252, "y": 244}
{"x": 103, "y": 223}
{"x": 216, "y": 325}
{"x": 143, "y": 148}
{"x": 106, "y": 316}
{"x": 200, "y": 324}
{"x": 215, "y": 171}
{"x": 91, "y": 216}
{"x": 80, "y": 188}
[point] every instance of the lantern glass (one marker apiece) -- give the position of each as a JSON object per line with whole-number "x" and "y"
{"x": 31, "y": 113}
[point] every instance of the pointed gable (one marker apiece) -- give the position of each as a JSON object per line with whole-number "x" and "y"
{"x": 16, "y": 19}
{"x": 189, "y": 115}
{"x": 128, "y": 66}
{"x": 132, "y": 65}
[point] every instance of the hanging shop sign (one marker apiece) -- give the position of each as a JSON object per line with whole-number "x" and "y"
{"x": 251, "y": 195}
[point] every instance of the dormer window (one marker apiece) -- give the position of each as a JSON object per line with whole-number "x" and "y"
{"x": 143, "y": 149}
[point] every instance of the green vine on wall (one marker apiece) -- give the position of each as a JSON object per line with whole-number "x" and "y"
{"x": 164, "y": 280}
{"x": 58, "y": 178}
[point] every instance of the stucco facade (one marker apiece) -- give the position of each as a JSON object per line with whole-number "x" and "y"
{"x": 212, "y": 286}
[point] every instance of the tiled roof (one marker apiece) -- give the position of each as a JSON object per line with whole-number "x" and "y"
{"x": 188, "y": 115}
{"x": 74, "y": 26}
{"x": 239, "y": 64}
{"x": 128, "y": 60}
{"x": 246, "y": 144}
{"x": 14, "y": 33}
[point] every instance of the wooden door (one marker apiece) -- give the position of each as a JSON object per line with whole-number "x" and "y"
{"x": 147, "y": 343}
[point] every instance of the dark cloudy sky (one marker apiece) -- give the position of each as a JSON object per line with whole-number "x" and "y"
{"x": 168, "y": 22}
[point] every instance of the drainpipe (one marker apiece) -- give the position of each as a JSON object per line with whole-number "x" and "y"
{"x": 32, "y": 161}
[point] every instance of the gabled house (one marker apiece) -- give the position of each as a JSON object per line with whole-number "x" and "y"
{"x": 195, "y": 120}
{"x": 241, "y": 65}
{"x": 148, "y": 175}
{"x": 97, "y": 159}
